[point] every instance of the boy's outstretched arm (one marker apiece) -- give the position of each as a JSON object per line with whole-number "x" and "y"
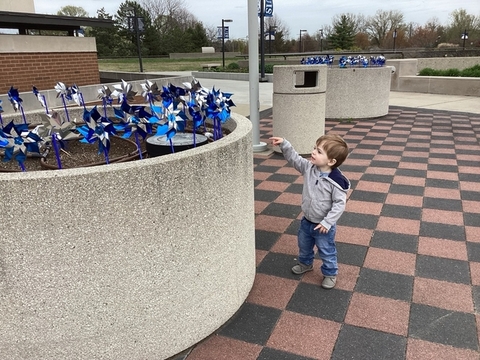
{"x": 276, "y": 140}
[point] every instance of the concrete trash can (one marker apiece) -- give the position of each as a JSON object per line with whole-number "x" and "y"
{"x": 299, "y": 104}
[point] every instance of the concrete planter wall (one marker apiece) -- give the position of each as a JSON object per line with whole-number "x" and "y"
{"x": 135, "y": 260}
{"x": 406, "y": 78}
{"x": 357, "y": 92}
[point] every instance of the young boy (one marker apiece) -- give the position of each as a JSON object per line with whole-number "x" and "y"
{"x": 324, "y": 197}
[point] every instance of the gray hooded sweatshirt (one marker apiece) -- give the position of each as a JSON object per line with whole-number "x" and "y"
{"x": 323, "y": 197}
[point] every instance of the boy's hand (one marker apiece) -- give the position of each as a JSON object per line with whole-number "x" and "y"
{"x": 276, "y": 140}
{"x": 321, "y": 228}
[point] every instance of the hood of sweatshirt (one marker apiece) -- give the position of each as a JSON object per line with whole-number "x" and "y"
{"x": 337, "y": 177}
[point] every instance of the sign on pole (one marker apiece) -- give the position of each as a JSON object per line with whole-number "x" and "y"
{"x": 225, "y": 32}
{"x": 268, "y": 9}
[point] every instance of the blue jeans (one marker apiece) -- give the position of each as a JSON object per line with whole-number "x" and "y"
{"x": 308, "y": 238}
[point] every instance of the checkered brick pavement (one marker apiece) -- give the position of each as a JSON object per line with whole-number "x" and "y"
{"x": 408, "y": 250}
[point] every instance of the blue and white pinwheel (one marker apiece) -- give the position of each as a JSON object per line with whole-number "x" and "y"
{"x": 150, "y": 92}
{"x": 123, "y": 91}
{"x": 134, "y": 119}
{"x": 55, "y": 129}
{"x": 17, "y": 141}
{"x": 16, "y": 102}
{"x": 105, "y": 94}
{"x": 97, "y": 128}
{"x": 41, "y": 98}
{"x": 218, "y": 109}
{"x": 15, "y": 98}
{"x": 77, "y": 95}
{"x": 65, "y": 93}
{"x": 54, "y": 123}
{"x": 172, "y": 121}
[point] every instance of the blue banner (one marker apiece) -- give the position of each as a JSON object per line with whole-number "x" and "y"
{"x": 268, "y": 9}
{"x": 225, "y": 32}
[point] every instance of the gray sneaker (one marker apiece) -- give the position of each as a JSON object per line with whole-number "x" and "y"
{"x": 301, "y": 268}
{"x": 329, "y": 282}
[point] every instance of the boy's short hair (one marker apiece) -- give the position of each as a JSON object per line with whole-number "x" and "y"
{"x": 335, "y": 148}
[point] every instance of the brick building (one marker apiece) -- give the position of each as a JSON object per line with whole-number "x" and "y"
{"x": 42, "y": 61}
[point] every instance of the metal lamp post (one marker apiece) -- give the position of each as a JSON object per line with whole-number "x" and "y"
{"x": 137, "y": 34}
{"x": 321, "y": 40}
{"x": 464, "y": 37}
{"x": 300, "y": 43}
{"x": 223, "y": 39}
{"x": 394, "y": 38}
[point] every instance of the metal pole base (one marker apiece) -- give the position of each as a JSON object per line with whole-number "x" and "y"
{"x": 260, "y": 147}
{"x": 263, "y": 79}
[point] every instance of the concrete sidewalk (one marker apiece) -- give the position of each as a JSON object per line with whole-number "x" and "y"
{"x": 240, "y": 90}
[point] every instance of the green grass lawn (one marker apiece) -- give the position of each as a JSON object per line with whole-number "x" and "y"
{"x": 158, "y": 64}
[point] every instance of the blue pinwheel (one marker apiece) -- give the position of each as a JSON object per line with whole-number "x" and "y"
{"x": 41, "y": 98}
{"x": 105, "y": 94}
{"x": 97, "y": 128}
{"x": 377, "y": 60}
{"x": 135, "y": 120}
{"x": 17, "y": 140}
{"x": 172, "y": 122}
{"x": 16, "y": 102}
{"x": 218, "y": 109}
{"x": 77, "y": 96}
{"x": 65, "y": 93}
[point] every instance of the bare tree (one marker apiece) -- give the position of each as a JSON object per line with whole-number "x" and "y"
{"x": 278, "y": 24}
{"x": 169, "y": 13}
{"x": 382, "y": 24}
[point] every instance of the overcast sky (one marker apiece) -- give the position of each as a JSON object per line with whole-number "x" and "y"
{"x": 310, "y": 15}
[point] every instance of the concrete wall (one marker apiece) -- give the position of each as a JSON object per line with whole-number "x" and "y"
{"x": 90, "y": 93}
{"x": 136, "y": 260}
{"x": 445, "y": 63}
{"x": 406, "y": 79}
{"x": 44, "y": 60}
{"x": 26, "y": 6}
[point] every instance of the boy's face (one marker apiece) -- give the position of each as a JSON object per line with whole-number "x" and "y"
{"x": 320, "y": 159}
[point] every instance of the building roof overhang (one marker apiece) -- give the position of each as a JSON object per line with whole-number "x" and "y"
{"x": 19, "y": 20}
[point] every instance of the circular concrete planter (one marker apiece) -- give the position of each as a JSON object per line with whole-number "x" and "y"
{"x": 134, "y": 260}
{"x": 357, "y": 93}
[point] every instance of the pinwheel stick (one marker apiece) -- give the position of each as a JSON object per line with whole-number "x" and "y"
{"x": 65, "y": 107}
{"x": 194, "y": 135}
{"x": 56, "y": 149}
{"x": 23, "y": 114}
{"x": 45, "y": 102}
{"x": 1, "y": 121}
{"x": 83, "y": 101}
{"x": 105, "y": 152}
{"x": 137, "y": 141}
{"x": 22, "y": 166}
{"x": 171, "y": 146}
{"x": 104, "y": 103}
